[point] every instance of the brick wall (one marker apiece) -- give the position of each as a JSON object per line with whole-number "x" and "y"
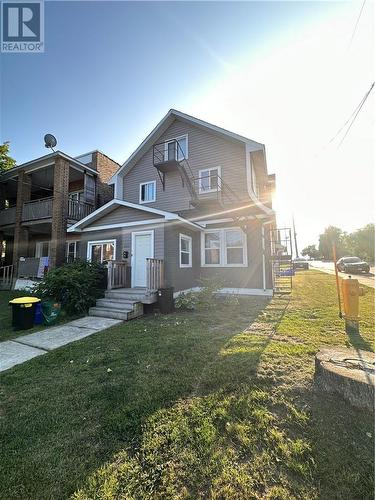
{"x": 105, "y": 168}
{"x": 59, "y": 212}
{"x": 21, "y": 234}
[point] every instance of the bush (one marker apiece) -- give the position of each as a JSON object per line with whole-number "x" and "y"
{"x": 186, "y": 301}
{"x": 76, "y": 285}
{"x": 207, "y": 295}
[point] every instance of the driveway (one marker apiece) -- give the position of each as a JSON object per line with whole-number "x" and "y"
{"x": 328, "y": 267}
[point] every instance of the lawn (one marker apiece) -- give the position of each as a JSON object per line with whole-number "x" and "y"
{"x": 218, "y": 403}
{"x": 7, "y": 332}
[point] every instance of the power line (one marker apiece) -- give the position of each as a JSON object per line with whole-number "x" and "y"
{"x": 356, "y": 24}
{"x": 357, "y": 113}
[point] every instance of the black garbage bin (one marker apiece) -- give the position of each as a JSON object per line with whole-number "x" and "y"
{"x": 23, "y": 312}
{"x": 165, "y": 300}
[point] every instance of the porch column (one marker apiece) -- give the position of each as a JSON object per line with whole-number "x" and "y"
{"x": 21, "y": 234}
{"x": 59, "y": 212}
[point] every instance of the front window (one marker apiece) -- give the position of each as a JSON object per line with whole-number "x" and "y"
{"x": 209, "y": 180}
{"x": 185, "y": 251}
{"x": 147, "y": 192}
{"x": 72, "y": 250}
{"x": 101, "y": 251}
{"x": 42, "y": 248}
{"x": 224, "y": 248}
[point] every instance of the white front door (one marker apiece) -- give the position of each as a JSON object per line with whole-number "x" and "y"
{"x": 142, "y": 249}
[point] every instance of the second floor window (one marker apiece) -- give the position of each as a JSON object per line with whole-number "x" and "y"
{"x": 147, "y": 192}
{"x": 209, "y": 180}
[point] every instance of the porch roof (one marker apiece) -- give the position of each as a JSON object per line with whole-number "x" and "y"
{"x": 84, "y": 224}
{"x": 46, "y": 161}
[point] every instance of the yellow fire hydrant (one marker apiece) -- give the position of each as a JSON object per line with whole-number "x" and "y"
{"x": 351, "y": 291}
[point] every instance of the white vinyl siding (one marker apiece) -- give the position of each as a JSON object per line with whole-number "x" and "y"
{"x": 147, "y": 192}
{"x": 224, "y": 248}
{"x": 185, "y": 249}
{"x": 209, "y": 180}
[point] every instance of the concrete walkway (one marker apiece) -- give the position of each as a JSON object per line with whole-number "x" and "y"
{"x": 21, "y": 349}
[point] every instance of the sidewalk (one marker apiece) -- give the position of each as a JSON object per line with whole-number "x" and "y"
{"x": 21, "y": 349}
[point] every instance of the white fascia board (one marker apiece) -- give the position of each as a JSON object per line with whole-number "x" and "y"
{"x": 252, "y": 195}
{"x": 164, "y": 123}
{"x": 111, "y": 205}
{"x": 99, "y": 211}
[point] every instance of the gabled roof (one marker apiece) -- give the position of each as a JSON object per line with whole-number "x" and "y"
{"x": 113, "y": 204}
{"x": 162, "y": 126}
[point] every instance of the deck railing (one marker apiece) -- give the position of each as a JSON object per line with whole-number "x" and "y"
{"x": 78, "y": 210}
{"x": 7, "y": 216}
{"x": 117, "y": 276}
{"x": 37, "y": 209}
{"x": 155, "y": 274}
{"x": 6, "y": 277}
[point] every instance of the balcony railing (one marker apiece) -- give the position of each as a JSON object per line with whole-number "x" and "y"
{"x": 37, "y": 209}
{"x": 7, "y": 216}
{"x": 78, "y": 210}
{"x": 42, "y": 209}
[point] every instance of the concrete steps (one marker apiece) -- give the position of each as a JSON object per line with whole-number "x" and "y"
{"x": 124, "y": 304}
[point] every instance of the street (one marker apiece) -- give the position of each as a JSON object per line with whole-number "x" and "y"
{"x": 328, "y": 267}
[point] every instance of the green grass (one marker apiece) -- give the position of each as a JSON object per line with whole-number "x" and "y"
{"x": 213, "y": 404}
{"x": 7, "y": 332}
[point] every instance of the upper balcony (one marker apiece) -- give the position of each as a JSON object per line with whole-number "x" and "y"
{"x": 41, "y": 210}
{"x": 168, "y": 155}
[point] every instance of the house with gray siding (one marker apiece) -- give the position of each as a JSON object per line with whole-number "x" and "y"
{"x": 193, "y": 201}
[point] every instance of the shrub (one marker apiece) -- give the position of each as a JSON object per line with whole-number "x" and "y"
{"x": 207, "y": 294}
{"x": 76, "y": 285}
{"x": 186, "y": 301}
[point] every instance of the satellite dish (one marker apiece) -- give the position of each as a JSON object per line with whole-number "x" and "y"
{"x": 50, "y": 141}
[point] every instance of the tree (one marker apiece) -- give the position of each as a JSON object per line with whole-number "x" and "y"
{"x": 6, "y": 161}
{"x": 332, "y": 236}
{"x": 362, "y": 242}
{"x": 311, "y": 251}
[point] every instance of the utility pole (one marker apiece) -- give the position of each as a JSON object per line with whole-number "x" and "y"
{"x": 295, "y": 237}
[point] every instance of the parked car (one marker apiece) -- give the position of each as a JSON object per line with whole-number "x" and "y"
{"x": 352, "y": 265}
{"x": 300, "y": 263}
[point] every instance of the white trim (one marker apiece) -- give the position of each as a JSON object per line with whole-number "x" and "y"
{"x": 252, "y": 195}
{"x": 68, "y": 242}
{"x": 140, "y": 192}
{"x": 184, "y": 136}
{"x": 139, "y": 233}
{"x": 231, "y": 291}
{"x": 162, "y": 126}
{"x": 100, "y": 242}
{"x": 39, "y": 246}
{"x": 111, "y": 205}
{"x": 190, "y": 252}
{"x": 247, "y": 291}
{"x": 223, "y": 248}
{"x": 210, "y": 190}
{"x": 124, "y": 224}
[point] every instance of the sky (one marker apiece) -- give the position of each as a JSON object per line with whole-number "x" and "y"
{"x": 282, "y": 73}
